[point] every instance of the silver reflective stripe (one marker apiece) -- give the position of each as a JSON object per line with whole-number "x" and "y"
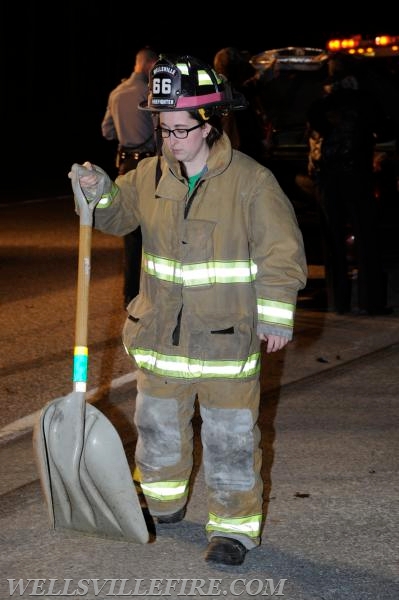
{"x": 165, "y": 490}
{"x": 106, "y": 199}
{"x": 204, "y": 78}
{"x": 271, "y": 311}
{"x": 190, "y": 368}
{"x": 249, "y": 526}
{"x": 164, "y": 269}
{"x": 183, "y": 68}
{"x": 242, "y": 271}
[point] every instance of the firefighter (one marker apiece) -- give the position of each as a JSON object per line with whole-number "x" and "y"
{"x": 223, "y": 261}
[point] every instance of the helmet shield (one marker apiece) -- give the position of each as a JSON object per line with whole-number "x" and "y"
{"x": 188, "y": 84}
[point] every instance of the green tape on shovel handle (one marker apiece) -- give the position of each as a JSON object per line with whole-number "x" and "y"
{"x": 80, "y": 363}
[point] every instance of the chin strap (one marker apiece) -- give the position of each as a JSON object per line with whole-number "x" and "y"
{"x": 158, "y": 146}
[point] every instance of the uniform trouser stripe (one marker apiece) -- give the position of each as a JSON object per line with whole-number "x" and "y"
{"x": 166, "y": 491}
{"x": 249, "y": 526}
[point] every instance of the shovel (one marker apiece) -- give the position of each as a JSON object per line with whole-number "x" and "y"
{"x": 84, "y": 473}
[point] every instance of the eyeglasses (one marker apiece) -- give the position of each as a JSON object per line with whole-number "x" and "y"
{"x": 180, "y": 134}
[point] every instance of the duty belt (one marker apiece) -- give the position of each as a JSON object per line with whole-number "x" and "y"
{"x": 127, "y": 154}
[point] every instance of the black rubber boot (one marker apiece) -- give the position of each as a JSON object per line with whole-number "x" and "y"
{"x": 225, "y": 551}
{"x": 174, "y": 517}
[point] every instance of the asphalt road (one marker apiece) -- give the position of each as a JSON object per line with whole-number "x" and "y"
{"x": 38, "y": 271}
{"x": 330, "y": 468}
{"x": 329, "y": 413}
{"x": 39, "y": 246}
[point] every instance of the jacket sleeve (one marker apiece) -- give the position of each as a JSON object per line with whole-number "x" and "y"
{"x": 107, "y": 125}
{"x": 118, "y": 214}
{"x": 278, "y": 251}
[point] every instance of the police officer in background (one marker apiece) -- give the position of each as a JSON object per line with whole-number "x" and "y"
{"x": 134, "y": 131}
{"x": 345, "y": 125}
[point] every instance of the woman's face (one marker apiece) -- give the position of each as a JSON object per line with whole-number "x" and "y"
{"x": 187, "y": 149}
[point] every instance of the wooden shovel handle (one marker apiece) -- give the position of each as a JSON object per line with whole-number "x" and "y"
{"x": 82, "y": 299}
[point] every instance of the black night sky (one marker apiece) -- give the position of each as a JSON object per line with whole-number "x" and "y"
{"x": 58, "y": 65}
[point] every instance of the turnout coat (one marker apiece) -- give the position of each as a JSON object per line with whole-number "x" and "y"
{"x": 219, "y": 265}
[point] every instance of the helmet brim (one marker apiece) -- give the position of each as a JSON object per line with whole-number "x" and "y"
{"x": 236, "y": 102}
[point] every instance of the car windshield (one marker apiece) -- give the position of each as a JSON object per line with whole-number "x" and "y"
{"x": 291, "y": 78}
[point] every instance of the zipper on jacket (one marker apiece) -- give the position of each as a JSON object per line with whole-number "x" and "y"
{"x": 176, "y": 331}
{"x": 189, "y": 200}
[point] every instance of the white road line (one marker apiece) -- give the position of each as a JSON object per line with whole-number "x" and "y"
{"x": 33, "y": 201}
{"x": 23, "y": 425}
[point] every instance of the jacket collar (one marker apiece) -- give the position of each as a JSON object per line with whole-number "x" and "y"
{"x": 219, "y": 158}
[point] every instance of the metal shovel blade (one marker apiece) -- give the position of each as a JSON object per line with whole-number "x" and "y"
{"x": 83, "y": 468}
{"x": 85, "y": 476}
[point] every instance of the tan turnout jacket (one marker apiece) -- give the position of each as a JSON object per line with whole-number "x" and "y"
{"x": 213, "y": 278}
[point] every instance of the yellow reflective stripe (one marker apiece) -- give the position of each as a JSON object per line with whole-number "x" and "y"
{"x": 162, "y": 268}
{"x": 106, "y": 199}
{"x": 190, "y": 368}
{"x": 204, "y": 78}
{"x": 249, "y": 526}
{"x": 271, "y": 311}
{"x": 183, "y": 67}
{"x": 242, "y": 271}
{"x": 217, "y": 272}
{"x": 165, "y": 490}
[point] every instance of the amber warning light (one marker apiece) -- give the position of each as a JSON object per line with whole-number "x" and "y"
{"x": 381, "y": 45}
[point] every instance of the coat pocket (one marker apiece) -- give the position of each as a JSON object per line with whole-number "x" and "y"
{"x": 198, "y": 241}
{"x": 139, "y": 331}
{"x": 221, "y": 338}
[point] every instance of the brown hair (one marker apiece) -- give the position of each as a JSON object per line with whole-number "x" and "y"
{"x": 216, "y": 126}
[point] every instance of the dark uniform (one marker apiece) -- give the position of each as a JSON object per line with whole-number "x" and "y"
{"x": 134, "y": 131}
{"x": 346, "y": 122}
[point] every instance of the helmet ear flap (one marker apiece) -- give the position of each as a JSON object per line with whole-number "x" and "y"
{"x": 205, "y": 113}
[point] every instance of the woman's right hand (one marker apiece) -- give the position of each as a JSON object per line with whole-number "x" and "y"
{"x": 88, "y": 180}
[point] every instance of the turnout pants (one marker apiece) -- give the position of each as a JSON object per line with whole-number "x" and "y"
{"x": 230, "y": 442}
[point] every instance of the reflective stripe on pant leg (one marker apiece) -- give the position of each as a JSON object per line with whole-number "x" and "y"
{"x": 164, "y": 451}
{"x": 232, "y": 462}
